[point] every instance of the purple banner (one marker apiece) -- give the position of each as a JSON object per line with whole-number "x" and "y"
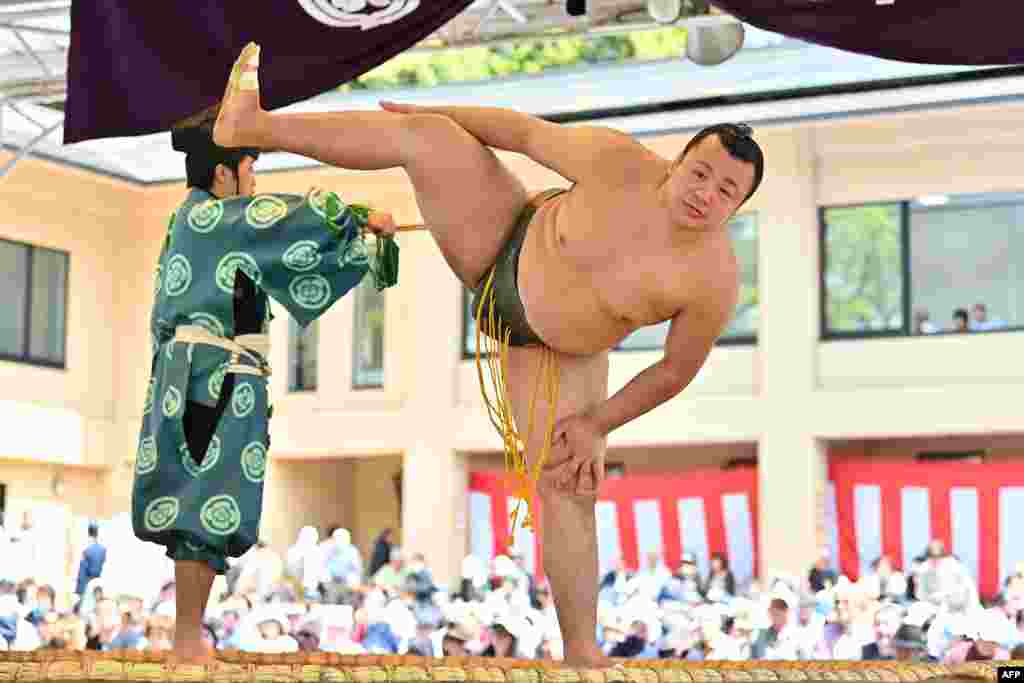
{"x": 140, "y": 66}
{"x": 967, "y": 32}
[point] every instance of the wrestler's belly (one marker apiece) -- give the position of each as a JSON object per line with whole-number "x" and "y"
{"x": 564, "y": 305}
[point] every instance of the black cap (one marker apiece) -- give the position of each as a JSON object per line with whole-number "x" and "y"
{"x": 202, "y": 154}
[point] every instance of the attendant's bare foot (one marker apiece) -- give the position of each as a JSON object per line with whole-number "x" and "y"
{"x": 241, "y": 100}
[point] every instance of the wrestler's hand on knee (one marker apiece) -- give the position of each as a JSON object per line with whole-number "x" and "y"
{"x": 582, "y": 469}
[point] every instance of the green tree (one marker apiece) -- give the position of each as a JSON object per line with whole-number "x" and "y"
{"x": 531, "y": 55}
{"x": 864, "y": 272}
{"x": 744, "y": 239}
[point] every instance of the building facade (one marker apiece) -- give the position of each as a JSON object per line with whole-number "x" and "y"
{"x": 861, "y": 221}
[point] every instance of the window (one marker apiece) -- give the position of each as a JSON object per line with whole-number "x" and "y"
{"x": 908, "y": 267}
{"x": 303, "y": 347}
{"x": 368, "y": 335}
{"x": 863, "y": 271}
{"x": 743, "y": 327}
{"x": 468, "y": 325}
{"x": 33, "y": 320}
{"x": 965, "y": 252}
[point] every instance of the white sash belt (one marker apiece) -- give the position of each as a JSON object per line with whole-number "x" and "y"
{"x": 255, "y": 347}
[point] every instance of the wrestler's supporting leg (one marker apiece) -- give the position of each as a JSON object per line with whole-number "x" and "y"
{"x": 567, "y": 525}
{"x": 193, "y": 581}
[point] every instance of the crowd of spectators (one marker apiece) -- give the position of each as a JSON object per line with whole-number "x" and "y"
{"x": 323, "y": 595}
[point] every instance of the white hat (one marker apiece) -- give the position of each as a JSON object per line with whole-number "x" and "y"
{"x": 166, "y": 609}
{"x": 919, "y": 613}
{"x": 517, "y": 627}
{"x": 504, "y": 566}
{"x": 994, "y": 628}
{"x": 267, "y": 613}
{"x": 9, "y": 605}
{"x": 472, "y": 567}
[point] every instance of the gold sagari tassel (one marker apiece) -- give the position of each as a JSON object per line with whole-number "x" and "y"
{"x": 494, "y": 338}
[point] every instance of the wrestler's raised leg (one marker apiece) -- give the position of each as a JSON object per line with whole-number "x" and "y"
{"x": 467, "y": 198}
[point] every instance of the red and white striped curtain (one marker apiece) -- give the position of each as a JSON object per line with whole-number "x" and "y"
{"x": 896, "y": 507}
{"x": 700, "y": 512}
{"x": 873, "y": 507}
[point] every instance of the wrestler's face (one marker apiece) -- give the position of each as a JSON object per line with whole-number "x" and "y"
{"x": 708, "y": 185}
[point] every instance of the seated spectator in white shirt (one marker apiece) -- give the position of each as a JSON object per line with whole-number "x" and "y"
{"x": 980, "y": 321}
{"x": 923, "y": 323}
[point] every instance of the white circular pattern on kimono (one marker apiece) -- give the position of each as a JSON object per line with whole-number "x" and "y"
{"x": 254, "y": 462}
{"x": 243, "y": 400}
{"x": 205, "y": 216}
{"x": 354, "y": 254}
{"x": 172, "y": 402}
{"x": 220, "y": 515}
{"x": 208, "y": 322}
{"x": 146, "y": 458}
{"x": 178, "y": 276}
{"x": 169, "y": 349}
{"x": 265, "y": 210}
{"x": 159, "y": 283}
{"x": 217, "y": 381}
{"x": 302, "y": 256}
{"x": 361, "y": 14}
{"x": 184, "y": 452}
{"x": 193, "y": 547}
{"x": 318, "y": 203}
{"x": 161, "y": 514}
{"x": 148, "y": 403}
{"x": 210, "y": 459}
{"x": 229, "y": 263}
{"x": 310, "y": 291}
{"x": 188, "y": 354}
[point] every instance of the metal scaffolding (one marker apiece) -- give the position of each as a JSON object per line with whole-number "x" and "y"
{"x": 34, "y": 40}
{"x": 35, "y": 36}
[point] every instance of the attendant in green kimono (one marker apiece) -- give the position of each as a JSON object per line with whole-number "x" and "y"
{"x": 202, "y": 450}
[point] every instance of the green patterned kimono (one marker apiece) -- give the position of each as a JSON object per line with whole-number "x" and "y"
{"x": 306, "y": 253}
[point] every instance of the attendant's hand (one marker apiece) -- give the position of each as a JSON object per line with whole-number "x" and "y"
{"x": 381, "y": 224}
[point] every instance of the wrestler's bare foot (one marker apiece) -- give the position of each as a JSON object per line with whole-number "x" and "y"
{"x": 241, "y": 103}
{"x": 196, "y": 654}
{"x": 589, "y": 657}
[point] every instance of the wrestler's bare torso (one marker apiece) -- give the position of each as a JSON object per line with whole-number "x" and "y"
{"x": 603, "y": 260}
